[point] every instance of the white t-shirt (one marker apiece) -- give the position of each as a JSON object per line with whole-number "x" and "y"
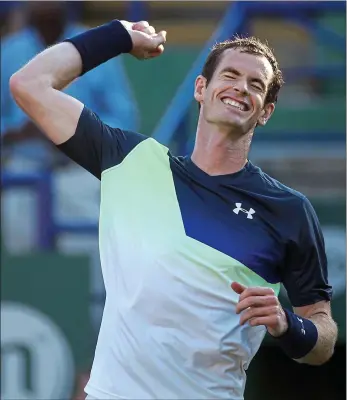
{"x": 172, "y": 240}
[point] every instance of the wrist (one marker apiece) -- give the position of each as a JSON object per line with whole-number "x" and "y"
{"x": 100, "y": 44}
{"x": 300, "y": 336}
{"x": 280, "y": 332}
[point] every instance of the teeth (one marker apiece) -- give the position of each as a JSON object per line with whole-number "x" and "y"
{"x": 234, "y": 103}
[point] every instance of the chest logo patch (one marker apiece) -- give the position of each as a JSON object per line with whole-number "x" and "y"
{"x": 239, "y": 208}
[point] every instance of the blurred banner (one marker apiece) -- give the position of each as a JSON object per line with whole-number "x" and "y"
{"x": 335, "y": 243}
{"x": 332, "y": 214}
{"x": 45, "y": 326}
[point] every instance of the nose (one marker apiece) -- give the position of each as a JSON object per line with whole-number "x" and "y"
{"x": 241, "y": 86}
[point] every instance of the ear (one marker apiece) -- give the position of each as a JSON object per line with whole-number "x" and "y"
{"x": 199, "y": 89}
{"x": 265, "y": 115}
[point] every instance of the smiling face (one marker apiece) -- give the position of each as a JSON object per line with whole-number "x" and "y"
{"x": 235, "y": 95}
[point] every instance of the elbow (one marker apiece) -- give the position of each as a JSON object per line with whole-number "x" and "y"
{"x": 325, "y": 357}
{"x": 19, "y": 85}
{"x": 25, "y": 87}
{"x": 316, "y": 358}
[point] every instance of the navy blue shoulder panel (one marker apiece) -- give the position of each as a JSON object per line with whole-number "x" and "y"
{"x": 255, "y": 219}
{"x": 304, "y": 271}
{"x": 96, "y": 146}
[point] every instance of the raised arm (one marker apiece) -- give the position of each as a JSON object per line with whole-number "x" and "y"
{"x": 36, "y": 89}
{"x": 37, "y": 86}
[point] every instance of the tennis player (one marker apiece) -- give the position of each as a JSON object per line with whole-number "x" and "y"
{"x": 193, "y": 249}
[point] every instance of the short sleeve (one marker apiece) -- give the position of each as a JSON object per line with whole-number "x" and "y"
{"x": 96, "y": 146}
{"x": 305, "y": 271}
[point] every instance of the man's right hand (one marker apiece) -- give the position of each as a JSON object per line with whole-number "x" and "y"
{"x": 146, "y": 42}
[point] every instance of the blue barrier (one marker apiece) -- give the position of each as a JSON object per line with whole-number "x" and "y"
{"x": 48, "y": 227}
{"x": 293, "y": 7}
{"x": 322, "y": 34}
{"x": 181, "y": 102}
{"x": 236, "y": 16}
{"x": 137, "y": 11}
{"x": 41, "y": 182}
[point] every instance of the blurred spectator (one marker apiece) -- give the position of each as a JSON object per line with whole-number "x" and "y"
{"x": 105, "y": 90}
{"x": 11, "y": 17}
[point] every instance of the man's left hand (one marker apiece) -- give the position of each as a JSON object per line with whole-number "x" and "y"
{"x": 260, "y": 306}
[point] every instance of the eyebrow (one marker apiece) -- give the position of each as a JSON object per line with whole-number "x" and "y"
{"x": 233, "y": 71}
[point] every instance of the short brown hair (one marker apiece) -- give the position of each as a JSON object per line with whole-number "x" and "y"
{"x": 250, "y": 45}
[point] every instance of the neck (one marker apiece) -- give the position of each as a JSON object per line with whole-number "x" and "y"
{"x": 218, "y": 151}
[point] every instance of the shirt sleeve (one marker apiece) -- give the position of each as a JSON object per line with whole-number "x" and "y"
{"x": 305, "y": 272}
{"x": 96, "y": 146}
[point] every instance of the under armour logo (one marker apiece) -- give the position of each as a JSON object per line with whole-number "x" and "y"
{"x": 302, "y": 326}
{"x": 239, "y": 208}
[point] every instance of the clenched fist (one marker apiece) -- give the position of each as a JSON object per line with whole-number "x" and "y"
{"x": 146, "y": 42}
{"x": 260, "y": 306}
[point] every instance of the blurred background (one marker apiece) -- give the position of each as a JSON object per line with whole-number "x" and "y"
{"x": 52, "y": 289}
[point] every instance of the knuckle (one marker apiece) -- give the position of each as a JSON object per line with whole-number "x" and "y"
{"x": 261, "y": 290}
{"x": 265, "y": 301}
{"x": 258, "y": 312}
{"x": 255, "y": 290}
{"x": 270, "y": 300}
{"x": 250, "y": 313}
{"x": 248, "y": 302}
{"x": 150, "y": 30}
{"x": 276, "y": 310}
{"x": 244, "y": 294}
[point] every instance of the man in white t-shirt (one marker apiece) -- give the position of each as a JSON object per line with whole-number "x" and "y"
{"x": 194, "y": 248}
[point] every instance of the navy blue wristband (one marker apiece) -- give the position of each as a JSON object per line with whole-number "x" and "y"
{"x": 300, "y": 338}
{"x": 100, "y": 44}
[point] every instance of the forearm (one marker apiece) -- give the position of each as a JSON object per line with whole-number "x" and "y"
{"x": 327, "y": 336}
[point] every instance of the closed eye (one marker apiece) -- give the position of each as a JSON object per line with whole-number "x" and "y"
{"x": 229, "y": 76}
{"x": 257, "y": 86}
